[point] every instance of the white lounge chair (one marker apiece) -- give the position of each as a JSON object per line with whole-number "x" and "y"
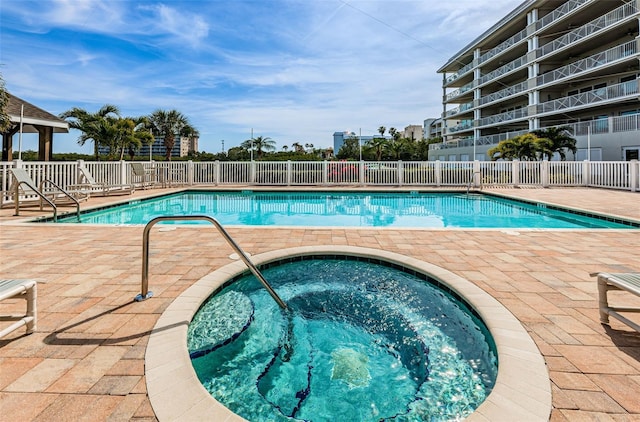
{"x": 629, "y": 282}
{"x": 24, "y": 191}
{"x": 26, "y": 289}
{"x": 86, "y": 182}
{"x": 143, "y": 177}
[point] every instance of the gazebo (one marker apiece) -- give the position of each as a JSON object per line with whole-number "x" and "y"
{"x": 34, "y": 120}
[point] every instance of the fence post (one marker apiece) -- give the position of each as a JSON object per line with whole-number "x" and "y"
{"x": 288, "y": 172}
{"x": 477, "y": 175}
{"x": 544, "y": 173}
{"x": 122, "y": 172}
{"x": 634, "y": 177}
{"x": 400, "y": 173}
{"x": 586, "y": 173}
{"x": 361, "y": 176}
{"x": 252, "y": 172}
{"x": 216, "y": 172}
{"x": 190, "y": 173}
{"x": 325, "y": 176}
{"x": 438, "y": 173}
{"x": 515, "y": 173}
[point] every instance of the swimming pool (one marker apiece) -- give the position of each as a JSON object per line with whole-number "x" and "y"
{"x": 349, "y": 209}
{"x": 360, "y": 341}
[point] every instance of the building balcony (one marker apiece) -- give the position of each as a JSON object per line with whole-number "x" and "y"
{"x": 461, "y": 127}
{"x": 458, "y": 110}
{"x": 503, "y": 70}
{"x": 611, "y": 19}
{"x": 458, "y": 92}
{"x": 463, "y": 70}
{"x": 521, "y": 113}
{"x": 504, "y": 93}
{"x": 590, "y": 63}
{"x": 612, "y": 93}
{"x": 503, "y": 46}
{"x": 566, "y": 8}
{"x": 609, "y": 125}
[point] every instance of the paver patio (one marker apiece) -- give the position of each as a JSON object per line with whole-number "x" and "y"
{"x": 86, "y": 359}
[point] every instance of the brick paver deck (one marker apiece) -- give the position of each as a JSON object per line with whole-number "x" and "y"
{"x": 86, "y": 359}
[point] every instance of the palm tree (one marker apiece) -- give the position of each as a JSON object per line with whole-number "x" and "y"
{"x": 93, "y": 126}
{"x": 382, "y": 130}
{"x": 297, "y": 146}
{"x": 259, "y": 144}
{"x": 527, "y": 147}
{"x": 285, "y": 148}
{"x": 170, "y": 124}
{"x": 130, "y": 134}
{"x": 561, "y": 139}
{"x": 378, "y": 145}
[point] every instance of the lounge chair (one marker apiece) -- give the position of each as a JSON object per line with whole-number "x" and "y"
{"x": 86, "y": 182}
{"x": 24, "y": 190}
{"x": 144, "y": 178}
{"x": 629, "y": 282}
{"x": 25, "y": 289}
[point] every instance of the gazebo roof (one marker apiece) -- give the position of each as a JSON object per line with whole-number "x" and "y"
{"x": 33, "y": 116}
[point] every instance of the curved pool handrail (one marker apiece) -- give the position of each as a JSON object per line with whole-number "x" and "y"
{"x": 145, "y": 293}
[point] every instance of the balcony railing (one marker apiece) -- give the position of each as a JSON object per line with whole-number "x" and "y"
{"x": 460, "y": 91}
{"x": 466, "y": 68}
{"x": 504, "y": 117}
{"x": 630, "y": 123}
{"x": 590, "y": 63}
{"x": 458, "y": 110}
{"x": 462, "y": 126}
{"x": 621, "y": 13}
{"x": 504, "y": 93}
{"x": 595, "y": 96}
{"x": 503, "y": 46}
{"x": 502, "y": 70}
{"x": 560, "y": 12}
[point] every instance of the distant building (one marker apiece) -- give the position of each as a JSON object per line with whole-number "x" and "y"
{"x": 181, "y": 148}
{"x": 433, "y": 128}
{"x": 340, "y": 137}
{"x": 545, "y": 64}
{"x": 413, "y": 132}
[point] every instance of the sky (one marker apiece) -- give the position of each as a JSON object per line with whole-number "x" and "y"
{"x": 290, "y": 70}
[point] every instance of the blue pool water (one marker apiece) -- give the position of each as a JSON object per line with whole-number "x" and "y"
{"x": 360, "y": 341}
{"x": 347, "y": 209}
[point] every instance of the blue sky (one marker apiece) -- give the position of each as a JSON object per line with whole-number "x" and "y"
{"x": 294, "y": 70}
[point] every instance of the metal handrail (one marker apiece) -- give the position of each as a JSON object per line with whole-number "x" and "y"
{"x": 145, "y": 293}
{"x": 42, "y": 196}
{"x": 16, "y": 199}
{"x": 471, "y": 180}
{"x": 74, "y": 199}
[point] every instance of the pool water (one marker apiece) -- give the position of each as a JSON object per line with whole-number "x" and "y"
{"x": 360, "y": 341}
{"x": 346, "y": 209}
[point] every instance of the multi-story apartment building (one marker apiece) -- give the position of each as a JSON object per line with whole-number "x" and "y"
{"x": 547, "y": 63}
{"x": 432, "y": 128}
{"x": 182, "y": 147}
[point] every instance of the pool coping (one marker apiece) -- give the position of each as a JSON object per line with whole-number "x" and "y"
{"x": 522, "y": 390}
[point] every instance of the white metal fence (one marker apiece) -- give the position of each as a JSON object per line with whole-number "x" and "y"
{"x": 623, "y": 175}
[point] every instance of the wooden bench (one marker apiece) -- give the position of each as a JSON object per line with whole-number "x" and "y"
{"x": 629, "y": 282}
{"x": 26, "y": 289}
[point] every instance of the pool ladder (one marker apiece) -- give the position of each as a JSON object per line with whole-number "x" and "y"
{"x": 145, "y": 293}
{"x": 471, "y": 180}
